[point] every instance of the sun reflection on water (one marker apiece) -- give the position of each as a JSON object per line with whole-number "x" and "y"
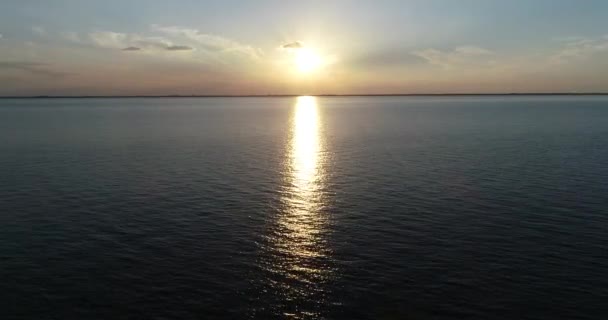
{"x": 305, "y": 144}
{"x": 297, "y": 245}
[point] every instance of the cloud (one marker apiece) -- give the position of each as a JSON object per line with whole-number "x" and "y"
{"x": 39, "y": 30}
{"x": 1, "y": 36}
{"x": 579, "y": 48}
{"x": 472, "y": 51}
{"x": 171, "y": 43}
{"x": 568, "y": 38}
{"x": 209, "y": 42}
{"x": 117, "y": 40}
{"x": 109, "y": 39}
{"x": 156, "y": 45}
{"x": 71, "y": 36}
{"x": 292, "y": 45}
{"x": 19, "y": 64}
{"x": 386, "y": 58}
{"x": 150, "y": 42}
{"x": 463, "y": 55}
{"x": 179, "y": 48}
{"x": 35, "y": 68}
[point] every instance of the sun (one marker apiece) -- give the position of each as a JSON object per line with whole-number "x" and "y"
{"x": 307, "y": 60}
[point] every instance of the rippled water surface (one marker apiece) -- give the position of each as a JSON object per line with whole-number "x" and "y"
{"x": 304, "y": 208}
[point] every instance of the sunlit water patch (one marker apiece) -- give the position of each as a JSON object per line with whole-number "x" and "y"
{"x": 296, "y": 256}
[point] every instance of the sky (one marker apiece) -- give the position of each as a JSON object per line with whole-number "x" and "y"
{"x": 151, "y": 47}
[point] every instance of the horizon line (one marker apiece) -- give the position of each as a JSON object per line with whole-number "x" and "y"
{"x": 315, "y": 95}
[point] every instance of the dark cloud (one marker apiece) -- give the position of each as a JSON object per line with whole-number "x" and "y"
{"x": 131, "y": 49}
{"x": 35, "y": 68}
{"x": 293, "y": 45}
{"x": 151, "y": 43}
{"x": 179, "y": 48}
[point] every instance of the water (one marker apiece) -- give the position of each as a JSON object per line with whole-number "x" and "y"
{"x": 304, "y": 208}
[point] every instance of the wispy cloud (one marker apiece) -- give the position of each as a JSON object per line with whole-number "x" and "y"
{"x": 151, "y": 43}
{"x": 462, "y": 55}
{"x": 70, "y": 36}
{"x": 109, "y": 39}
{"x": 210, "y": 48}
{"x": 568, "y": 38}
{"x": 391, "y": 58}
{"x": 39, "y": 30}
{"x": 209, "y": 42}
{"x": 127, "y": 41}
{"x": 578, "y": 48}
{"x": 35, "y": 68}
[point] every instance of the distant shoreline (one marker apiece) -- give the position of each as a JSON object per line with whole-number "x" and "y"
{"x": 316, "y": 95}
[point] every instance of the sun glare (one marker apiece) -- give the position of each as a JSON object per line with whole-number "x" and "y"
{"x": 307, "y": 60}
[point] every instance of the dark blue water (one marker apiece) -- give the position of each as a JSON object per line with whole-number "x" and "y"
{"x": 309, "y": 208}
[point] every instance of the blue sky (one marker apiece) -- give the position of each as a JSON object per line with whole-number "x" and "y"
{"x": 235, "y": 47}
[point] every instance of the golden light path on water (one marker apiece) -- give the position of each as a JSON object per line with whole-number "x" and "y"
{"x": 305, "y": 147}
{"x": 298, "y": 242}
